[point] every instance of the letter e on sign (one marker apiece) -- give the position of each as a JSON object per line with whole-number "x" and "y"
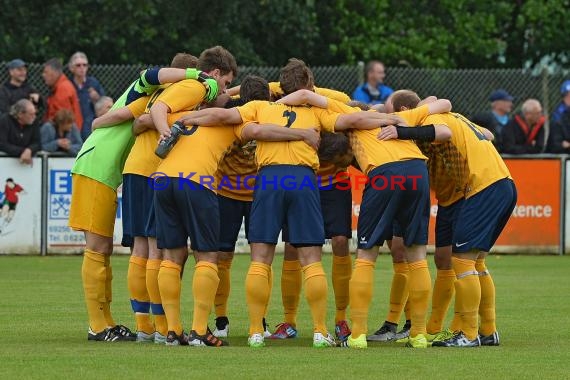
{"x": 60, "y": 181}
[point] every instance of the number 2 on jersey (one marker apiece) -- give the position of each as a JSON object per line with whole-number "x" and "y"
{"x": 291, "y": 117}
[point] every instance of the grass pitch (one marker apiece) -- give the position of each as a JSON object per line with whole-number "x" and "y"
{"x": 43, "y": 330}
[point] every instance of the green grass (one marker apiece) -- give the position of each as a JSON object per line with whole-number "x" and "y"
{"x": 43, "y": 328}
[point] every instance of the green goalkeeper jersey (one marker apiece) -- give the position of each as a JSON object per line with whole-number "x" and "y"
{"x": 105, "y": 151}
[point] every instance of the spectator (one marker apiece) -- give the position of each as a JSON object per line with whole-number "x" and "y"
{"x": 373, "y": 90}
{"x": 559, "y": 139}
{"x": 63, "y": 95}
{"x": 89, "y": 90}
{"x": 19, "y": 136}
{"x": 496, "y": 119}
{"x": 17, "y": 87}
{"x": 103, "y": 106}
{"x": 564, "y": 106}
{"x": 61, "y": 135}
{"x": 524, "y": 133}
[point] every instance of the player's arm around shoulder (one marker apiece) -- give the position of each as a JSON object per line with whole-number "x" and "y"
{"x": 366, "y": 120}
{"x": 212, "y": 116}
{"x": 442, "y": 133}
{"x": 112, "y": 118}
{"x": 436, "y": 105}
{"x": 301, "y": 97}
{"x": 273, "y": 132}
{"x": 142, "y": 123}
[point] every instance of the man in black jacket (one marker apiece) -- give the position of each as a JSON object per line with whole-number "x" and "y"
{"x": 559, "y": 140}
{"x": 19, "y": 136}
{"x": 17, "y": 87}
{"x": 496, "y": 119}
{"x": 524, "y": 134}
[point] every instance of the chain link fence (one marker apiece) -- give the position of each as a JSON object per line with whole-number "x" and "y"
{"x": 468, "y": 90}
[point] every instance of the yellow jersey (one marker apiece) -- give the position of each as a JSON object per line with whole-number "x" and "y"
{"x": 196, "y": 155}
{"x": 446, "y": 184}
{"x": 469, "y": 157}
{"x": 301, "y": 117}
{"x": 180, "y": 97}
{"x": 371, "y": 152}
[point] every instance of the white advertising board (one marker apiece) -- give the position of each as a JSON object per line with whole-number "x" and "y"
{"x": 20, "y": 206}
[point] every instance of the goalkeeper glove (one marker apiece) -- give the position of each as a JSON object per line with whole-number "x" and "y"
{"x": 208, "y": 82}
{"x": 211, "y": 89}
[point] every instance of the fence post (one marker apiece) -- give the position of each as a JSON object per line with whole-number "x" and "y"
{"x": 45, "y": 205}
{"x": 360, "y": 72}
{"x": 563, "y": 191}
{"x": 545, "y": 104}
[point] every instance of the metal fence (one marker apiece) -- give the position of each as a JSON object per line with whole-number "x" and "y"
{"x": 467, "y": 89}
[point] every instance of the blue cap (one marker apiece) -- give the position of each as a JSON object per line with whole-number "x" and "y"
{"x": 565, "y": 88}
{"x": 15, "y": 63}
{"x": 500, "y": 95}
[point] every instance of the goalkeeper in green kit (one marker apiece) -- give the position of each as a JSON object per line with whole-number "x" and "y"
{"x": 97, "y": 173}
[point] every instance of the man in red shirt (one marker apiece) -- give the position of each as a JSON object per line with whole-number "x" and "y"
{"x": 63, "y": 94}
{"x": 10, "y": 201}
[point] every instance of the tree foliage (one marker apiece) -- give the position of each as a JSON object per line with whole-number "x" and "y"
{"x": 417, "y": 33}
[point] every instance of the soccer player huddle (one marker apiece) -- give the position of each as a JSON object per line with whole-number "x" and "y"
{"x": 276, "y": 156}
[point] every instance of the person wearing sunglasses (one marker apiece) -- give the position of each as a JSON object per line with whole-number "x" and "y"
{"x": 88, "y": 88}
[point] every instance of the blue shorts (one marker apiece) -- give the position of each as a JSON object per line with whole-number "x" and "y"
{"x": 396, "y": 230}
{"x": 395, "y": 192}
{"x": 232, "y": 213}
{"x": 483, "y": 216}
{"x": 336, "y": 207}
{"x": 286, "y": 194}
{"x": 185, "y": 209}
{"x": 151, "y": 222}
{"x": 136, "y": 207}
{"x": 445, "y": 223}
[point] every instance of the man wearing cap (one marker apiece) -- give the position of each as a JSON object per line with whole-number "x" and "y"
{"x": 559, "y": 139}
{"x": 17, "y": 87}
{"x": 498, "y": 117}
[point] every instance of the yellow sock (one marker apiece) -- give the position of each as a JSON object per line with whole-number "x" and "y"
{"x": 487, "y": 305}
{"x": 204, "y": 286}
{"x": 467, "y": 295}
{"x": 108, "y": 292}
{"x": 270, "y": 282}
{"x": 443, "y": 290}
{"x": 420, "y": 289}
{"x": 360, "y": 288}
{"x": 407, "y": 310}
{"x": 291, "y": 282}
{"x": 169, "y": 285}
{"x": 257, "y": 293}
{"x": 223, "y": 292}
{"x": 316, "y": 291}
{"x": 398, "y": 292}
{"x": 455, "y": 324}
{"x": 152, "y": 268}
{"x": 140, "y": 301}
{"x": 93, "y": 273}
{"x": 341, "y": 272}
